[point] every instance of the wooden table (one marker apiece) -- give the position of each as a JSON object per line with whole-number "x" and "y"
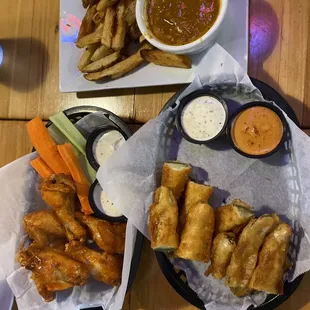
{"x": 279, "y": 55}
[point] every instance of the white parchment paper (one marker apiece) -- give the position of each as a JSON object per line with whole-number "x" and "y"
{"x": 19, "y": 196}
{"x": 279, "y": 183}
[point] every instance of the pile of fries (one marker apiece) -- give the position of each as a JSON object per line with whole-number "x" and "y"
{"x": 107, "y": 30}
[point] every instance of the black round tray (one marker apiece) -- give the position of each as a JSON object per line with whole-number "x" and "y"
{"x": 77, "y": 113}
{"x": 176, "y": 277}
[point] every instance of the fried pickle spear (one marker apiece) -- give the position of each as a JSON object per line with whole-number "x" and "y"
{"x": 43, "y": 227}
{"x": 58, "y": 191}
{"x": 163, "y": 221}
{"x": 196, "y": 237}
{"x": 233, "y": 217}
{"x": 175, "y": 176}
{"x": 244, "y": 258}
{"x": 268, "y": 275}
{"x": 103, "y": 267}
{"x": 194, "y": 193}
{"x": 223, "y": 247}
{"x": 110, "y": 237}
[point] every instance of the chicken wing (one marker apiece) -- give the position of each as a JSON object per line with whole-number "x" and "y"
{"x": 268, "y": 275}
{"x": 223, "y": 247}
{"x": 110, "y": 237}
{"x": 103, "y": 267}
{"x": 233, "y": 217}
{"x": 53, "y": 270}
{"x": 194, "y": 193}
{"x": 244, "y": 258}
{"x": 175, "y": 176}
{"x": 196, "y": 237}
{"x": 42, "y": 289}
{"x": 163, "y": 221}
{"x": 58, "y": 191}
{"x": 43, "y": 227}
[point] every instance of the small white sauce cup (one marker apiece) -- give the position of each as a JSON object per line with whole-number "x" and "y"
{"x": 206, "y": 41}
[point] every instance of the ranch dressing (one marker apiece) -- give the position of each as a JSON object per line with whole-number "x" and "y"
{"x": 105, "y": 144}
{"x": 203, "y": 118}
{"x": 103, "y": 203}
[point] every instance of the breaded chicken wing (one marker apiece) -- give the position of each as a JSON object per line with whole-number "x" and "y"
{"x": 233, "y": 217}
{"x": 223, "y": 247}
{"x": 43, "y": 227}
{"x": 53, "y": 270}
{"x": 58, "y": 191}
{"x": 103, "y": 267}
{"x": 110, "y": 237}
{"x": 244, "y": 258}
{"x": 268, "y": 275}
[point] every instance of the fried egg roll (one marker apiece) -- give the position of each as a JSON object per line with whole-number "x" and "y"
{"x": 268, "y": 275}
{"x": 244, "y": 258}
{"x": 233, "y": 217}
{"x": 175, "y": 176}
{"x": 194, "y": 193}
{"x": 163, "y": 221}
{"x": 196, "y": 237}
{"x": 223, "y": 247}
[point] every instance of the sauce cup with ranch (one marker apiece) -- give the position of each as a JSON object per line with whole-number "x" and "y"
{"x": 181, "y": 26}
{"x": 257, "y": 130}
{"x": 202, "y": 117}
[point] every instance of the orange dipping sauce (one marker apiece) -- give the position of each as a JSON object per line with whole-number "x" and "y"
{"x": 257, "y": 131}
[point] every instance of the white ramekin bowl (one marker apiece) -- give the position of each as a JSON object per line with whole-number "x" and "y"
{"x": 192, "y": 48}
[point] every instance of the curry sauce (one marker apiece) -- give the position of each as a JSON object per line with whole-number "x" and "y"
{"x": 179, "y": 22}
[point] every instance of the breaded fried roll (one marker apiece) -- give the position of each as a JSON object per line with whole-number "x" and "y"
{"x": 196, "y": 237}
{"x": 163, "y": 221}
{"x": 268, "y": 275}
{"x": 223, "y": 247}
{"x": 244, "y": 258}
{"x": 233, "y": 217}
{"x": 194, "y": 193}
{"x": 175, "y": 176}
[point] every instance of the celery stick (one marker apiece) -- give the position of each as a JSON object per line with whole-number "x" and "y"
{"x": 57, "y": 135}
{"x": 61, "y": 121}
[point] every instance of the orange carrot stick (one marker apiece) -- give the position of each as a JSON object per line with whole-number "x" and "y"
{"x": 41, "y": 167}
{"x": 80, "y": 180}
{"x": 45, "y": 146}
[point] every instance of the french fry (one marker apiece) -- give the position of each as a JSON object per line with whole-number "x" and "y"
{"x": 102, "y": 63}
{"x": 142, "y": 39}
{"x": 134, "y": 32}
{"x": 118, "y": 41}
{"x": 104, "y": 4}
{"x": 130, "y": 14}
{"x": 100, "y": 52}
{"x": 93, "y": 2}
{"x": 161, "y": 58}
{"x": 99, "y": 17}
{"x": 86, "y": 57}
{"x": 118, "y": 70}
{"x": 91, "y": 38}
{"x": 87, "y": 25}
{"x": 108, "y": 27}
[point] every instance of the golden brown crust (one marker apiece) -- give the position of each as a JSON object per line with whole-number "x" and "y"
{"x": 196, "y": 237}
{"x": 163, "y": 221}
{"x": 223, "y": 247}
{"x": 244, "y": 258}
{"x": 268, "y": 275}
{"x": 175, "y": 176}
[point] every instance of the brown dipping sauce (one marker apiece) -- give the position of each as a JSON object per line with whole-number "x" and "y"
{"x": 179, "y": 22}
{"x": 257, "y": 131}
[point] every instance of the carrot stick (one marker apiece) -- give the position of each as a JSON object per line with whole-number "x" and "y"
{"x": 80, "y": 180}
{"x": 45, "y": 146}
{"x": 41, "y": 167}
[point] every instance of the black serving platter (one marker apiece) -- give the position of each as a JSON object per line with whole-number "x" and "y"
{"x": 176, "y": 277}
{"x": 77, "y": 113}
